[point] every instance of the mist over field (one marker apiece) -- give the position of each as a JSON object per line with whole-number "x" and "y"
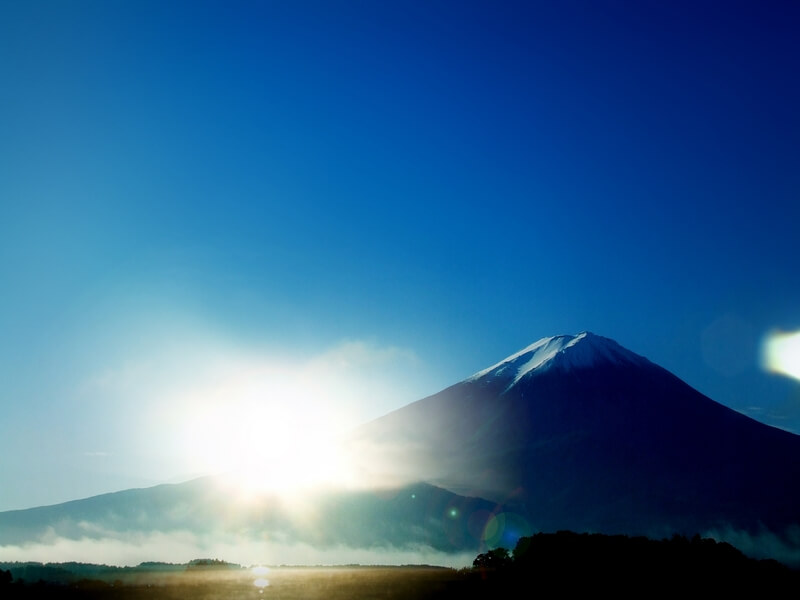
{"x": 182, "y": 547}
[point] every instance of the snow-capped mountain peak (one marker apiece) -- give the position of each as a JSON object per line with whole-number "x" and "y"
{"x": 566, "y": 352}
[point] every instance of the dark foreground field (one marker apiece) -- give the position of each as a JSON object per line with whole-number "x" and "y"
{"x": 293, "y": 583}
{"x": 368, "y": 583}
{"x": 543, "y": 565}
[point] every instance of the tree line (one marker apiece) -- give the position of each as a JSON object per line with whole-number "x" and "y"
{"x": 563, "y": 563}
{"x": 576, "y": 562}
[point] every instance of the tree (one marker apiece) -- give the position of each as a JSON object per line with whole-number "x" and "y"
{"x": 498, "y": 558}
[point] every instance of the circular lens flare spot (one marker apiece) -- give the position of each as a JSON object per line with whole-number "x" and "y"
{"x": 494, "y": 529}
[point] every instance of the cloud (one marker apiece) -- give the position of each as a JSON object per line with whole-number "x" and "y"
{"x": 179, "y": 547}
{"x": 763, "y": 544}
{"x": 355, "y": 354}
{"x": 356, "y": 375}
{"x": 179, "y": 407}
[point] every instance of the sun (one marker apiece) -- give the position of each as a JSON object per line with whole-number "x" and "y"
{"x": 267, "y": 430}
{"x": 268, "y": 450}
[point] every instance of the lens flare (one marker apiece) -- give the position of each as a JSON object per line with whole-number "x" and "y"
{"x": 261, "y": 583}
{"x": 504, "y": 529}
{"x": 780, "y": 353}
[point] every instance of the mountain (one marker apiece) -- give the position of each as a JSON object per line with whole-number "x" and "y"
{"x": 570, "y": 433}
{"x": 417, "y": 517}
{"x": 579, "y": 433}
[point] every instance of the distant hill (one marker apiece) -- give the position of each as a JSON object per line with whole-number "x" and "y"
{"x": 412, "y": 517}
{"x": 71, "y": 572}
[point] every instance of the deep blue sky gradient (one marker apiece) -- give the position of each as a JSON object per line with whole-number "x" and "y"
{"x": 457, "y": 179}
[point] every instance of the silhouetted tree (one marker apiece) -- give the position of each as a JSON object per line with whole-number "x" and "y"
{"x": 581, "y": 562}
{"x": 497, "y": 558}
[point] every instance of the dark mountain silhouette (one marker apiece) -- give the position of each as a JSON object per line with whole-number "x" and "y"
{"x": 579, "y": 433}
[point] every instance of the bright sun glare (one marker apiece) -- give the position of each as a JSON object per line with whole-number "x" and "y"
{"x": 270, "y": 450}
{"x": 267, "y": 429}
{"x": 781, "y": 353}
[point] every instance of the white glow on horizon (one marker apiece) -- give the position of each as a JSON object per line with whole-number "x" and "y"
{"x": 195, "y": 403}
{"x": 781, "y": 353}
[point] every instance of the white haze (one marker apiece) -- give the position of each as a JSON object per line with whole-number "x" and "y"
{"x": 180, "y": 547}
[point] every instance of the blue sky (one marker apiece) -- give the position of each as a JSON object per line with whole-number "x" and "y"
{"x": 389, "y": 195}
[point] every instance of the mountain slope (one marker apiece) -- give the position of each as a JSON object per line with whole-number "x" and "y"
{"x": 570, "y": 433}
{"x": 411, "y": 517}
{"x": 580, "y": 433}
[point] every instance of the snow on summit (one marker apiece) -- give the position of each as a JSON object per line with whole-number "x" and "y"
{"x": 564, "y": 351}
